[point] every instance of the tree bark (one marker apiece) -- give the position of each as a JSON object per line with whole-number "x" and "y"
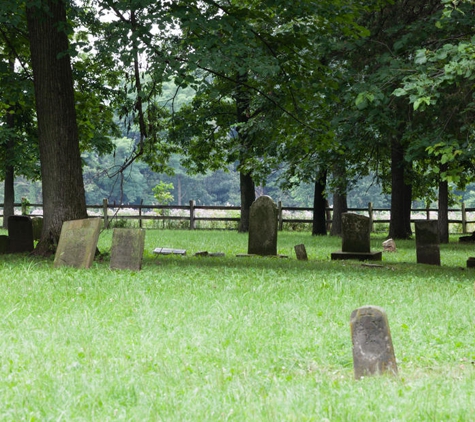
{"x": 248, "y": 196}
{"x": 340, "y": 205}
{"x": 399, "y": 225}
{"x": 319, "y": 227}
{"x": 443, "y": 206}
{"x": 9, "y": 175}
{"x": 61, "y": 171}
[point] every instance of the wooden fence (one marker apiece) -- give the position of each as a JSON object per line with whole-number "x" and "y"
{"x": 192, "y": 213}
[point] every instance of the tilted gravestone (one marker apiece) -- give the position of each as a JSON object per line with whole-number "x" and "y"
{"x": 127, "y": 249}
{"x": 77, "y": 243}
{"x": 373, "y": 351}
{"x": 301, "y": 252}
{"x": 20, "y": 234}
{"x": 427, "y": 242}
{"x": 263, "y": 227}
{"x": 356, "y": 230}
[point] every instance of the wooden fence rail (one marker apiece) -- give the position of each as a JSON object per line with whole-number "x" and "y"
{"x": 191, "y": 213}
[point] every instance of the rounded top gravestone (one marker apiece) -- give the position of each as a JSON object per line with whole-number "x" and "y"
{"x": 263, "y": 227}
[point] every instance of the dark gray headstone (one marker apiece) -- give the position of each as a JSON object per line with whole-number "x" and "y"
{"x": 4, "y": 244}
{"x": 263, "y": 227}
{"x": 373, "y": 351}
{"x": 77, "y": 243}
{"x": 20, "y": 233}
{"x": 127, "y": 249}
{"x": 356, "y": 232}
{"x": 37, "y": 223}
{"x": 427, "y": 242}
{"x": 301, "y": 252}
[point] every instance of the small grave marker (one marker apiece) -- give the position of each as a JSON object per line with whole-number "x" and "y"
{"x": 427, "y": 242}
{"x": 301, "y": 252}
{"x": 389, "y": 245}
{"x": 20, "y": 233}
{"x": 263, "y": 227}
{"x": 77, "y": 243}
{"x": 4, "y": 244}
{"x": 169, "y": 251}
{"x": 127, "y": 249}
{"x": 373, "y": 352}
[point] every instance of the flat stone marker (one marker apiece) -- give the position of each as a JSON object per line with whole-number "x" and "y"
{"x": 355, "y": 238}
{"x": 263, "y": 227}
{"x": 427, "y": 242}
{"x": 169, "y": 251}
{"x": 77, "y": 243}
{"x": 127, "y": 249}
{"x": 301, "y": 252}
{"x": 373, "y": 352}
{"x": 20, "y": 233}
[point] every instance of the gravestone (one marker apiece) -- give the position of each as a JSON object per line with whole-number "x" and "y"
{"x": 37, "y": 223}
{"x": 169, "y": 251}
{"x": 373, "y": 351}
{"x": 263, "y": 227}
{"x": 4, "y": 244}
{"x": 77, "y": 243}
{"x": 127, "y": 249}
{"x": 355, "y": 236}
{"x": 20, "y": 234}
{"x": 301, "y": 252}
{"x": 427, "y": 242}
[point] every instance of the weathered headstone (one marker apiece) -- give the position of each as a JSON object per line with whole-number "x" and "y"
{"x": 301, "y": 252}
{"x": 373, "y": 351}
{"x": 77, "y": 243}
{"x": 37, "y": 223}
{"x": 356, "y": 230}
{"x": 20, "y": 233}
{"x": 427, "y": 242}
{"x": 4, "y": 244}
{"x": 389, "y": 245}
{"x": 263, "y": 227}
{"x": 127, "y": 249}
{"x": 471, "y": 262}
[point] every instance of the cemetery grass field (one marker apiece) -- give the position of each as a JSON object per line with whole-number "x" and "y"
{"x": 239, "y": 339}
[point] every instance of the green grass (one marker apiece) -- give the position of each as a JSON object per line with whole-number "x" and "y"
{"x": 242, "y": 339}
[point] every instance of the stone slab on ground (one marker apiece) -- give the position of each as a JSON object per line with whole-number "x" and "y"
{"x": 360, "y": 256}
{"x": 78, "y": 243}
{"x": 169, "y": 251}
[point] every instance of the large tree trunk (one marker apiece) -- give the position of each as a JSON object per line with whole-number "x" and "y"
{"x": 248, "y": 196}
{"x": 61, "y": 171}
{"x": 443, "y": 213}
{"x": 399, "y": 225}
{"x": 340, "y": 205}
{"x": 9, "y": 175}
{"x": 319, "y": 227}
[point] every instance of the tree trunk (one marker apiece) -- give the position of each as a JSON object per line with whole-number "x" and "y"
{"x": 443, "y": 213}
{"x": 61, "y": 171}
{"x": 9, "y": 176}
{"x": 340, "y": 205}
{"x": 399, "y": 225}
{"x": 248, "y": 196}
{"x": 319, "y": 227}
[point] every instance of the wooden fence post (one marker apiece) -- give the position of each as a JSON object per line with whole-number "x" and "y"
{"x": 192, "y": 215}
{"x": 370, "y": 212}
{"x": 279, "y": 215}
{"x": 464, "y": 219}
{"x": 428, "y": 212}
{"x": 104, "y": 210}
{"x": 140, "y": 213}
